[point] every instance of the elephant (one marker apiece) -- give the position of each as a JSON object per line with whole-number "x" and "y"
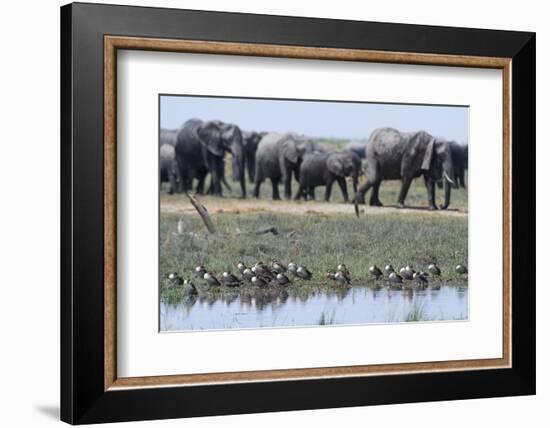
{"x": 251, "y": 139}
{"x": 459, "y": 153}
{"x": 223, "y": 180}
{"x": 277, "y": 158}
{"x": 460, "y": 162}
{"x": 357, "y": 147}
{"x": 200, "y": 149}
{"x": 322, "y": 169}
{"x": 168, "y": 136}
{"x": 169, "y": 171}
{"x": 394, "y": 155}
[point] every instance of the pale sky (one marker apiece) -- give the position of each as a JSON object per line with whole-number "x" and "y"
{"x": 317, "y": 118}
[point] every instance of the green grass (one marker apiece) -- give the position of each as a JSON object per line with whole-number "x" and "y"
{"x": 318, "y": 241}
{"x": 416, "y": 314}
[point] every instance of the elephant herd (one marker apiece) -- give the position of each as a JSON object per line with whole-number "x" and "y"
{"x": 198, "y": 149}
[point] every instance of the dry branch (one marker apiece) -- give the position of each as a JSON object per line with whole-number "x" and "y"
{"x": 203, "y": 212}
{"x": 270, "y": 229}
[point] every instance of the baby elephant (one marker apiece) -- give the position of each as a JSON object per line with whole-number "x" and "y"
{"x": 169, "y": 171}
{"x": 322, "y": 169}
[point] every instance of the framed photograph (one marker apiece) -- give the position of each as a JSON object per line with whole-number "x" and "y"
{"x": 266, "y": 213}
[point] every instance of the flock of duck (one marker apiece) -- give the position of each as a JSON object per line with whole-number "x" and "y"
{"x": 262, "y": 275}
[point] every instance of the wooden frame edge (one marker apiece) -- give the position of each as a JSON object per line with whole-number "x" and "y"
{"x": 112, "y": 43}
{"x": 109, "y": 199}
{"x": 507, "y": 213}
{"x": 301, "y": 52}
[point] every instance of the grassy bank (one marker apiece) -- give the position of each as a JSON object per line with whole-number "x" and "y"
{"x": 317, "y": 241}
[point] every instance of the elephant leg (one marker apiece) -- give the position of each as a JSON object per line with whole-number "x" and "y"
{"x": 287, "y": 179}
{"x": 275, "y": 189}
{"x": 184, "y": 181}
{"x": 242, "y": 180}
{"x": 257, "y": 185}
{"x": 373, "y": 177}
{"x": 173, "y": 184}
{"x": 181, "y": 174}
{"x": 430, "y": 187}
{"x": 226, "y": 184}
{"x": 360, "y": 194}
{"x": 461, "y": 180}
{"x": 210, "y": 190}
{"x": 189, "y": 181}
{"x": 251, "y": 163}
{"x": 343, "y": 188}
{"x": 301, "y": 192}
{"x": 328, "y": 189}
{"x": 311, "y": 193}
{"x": 201, "y": 177}
{"x": 216, "y": 181}
{"x": 374, "y": 198}
{"x": 189, "y": 176}
{"x": 405, "y": 184}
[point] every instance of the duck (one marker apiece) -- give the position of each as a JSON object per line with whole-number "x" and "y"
{"x": 344, "y": 269}
{"x": 342, "y": 279}
{"x": 241, "y": 267}
{"x": 189, "y": 288}
{"x": 388, "y": 269}
{"x": 260, "y": 282}
{"x": 395, "y": 278}
{"x": 211, "y": 279}
{"x": 346, "y": 274}
{"x": 292, "y": 268}
{"x": 303, "y": 273}
{"x": 374, "y": 271}
{"x": 259, "y": 268}
{"x": 434, "y": 270}
{"x": 461, "y": 269}
{"x": 420, "y": 278}
{"x": 248, "y": 274}
{"x": 270, "y": 274}
{"x": 230, "y": 280}
{"x": 283, "y": 279}
{"x": 396, "y": 282}
{"x": 200, "y": 271}
{"x": 406, "y": 272}
{"x": 331, "y": 275}
{"x": 174, "y": 279}
{"x": 277, "y": 266}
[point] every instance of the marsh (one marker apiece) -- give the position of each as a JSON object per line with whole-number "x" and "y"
{"x": 318, "y": 235}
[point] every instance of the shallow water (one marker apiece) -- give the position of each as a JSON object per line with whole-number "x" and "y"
{"x": 359, "y": 305}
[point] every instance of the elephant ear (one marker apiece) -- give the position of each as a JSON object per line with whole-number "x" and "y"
{"x": 210, "y": 137}
{"x": 289, "y": 150}
{"x": 335, "y": 165}
{"x": 428, "y": 155}
{"x": 228, "y": 133}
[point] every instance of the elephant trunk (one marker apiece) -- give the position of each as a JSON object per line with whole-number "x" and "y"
{"x": 355, "y": 181}
{"x": 251, "y": 166}
{"x": 239, "y": 165}
{"x": 448, "y": 182}
{"x": 235, "y": 168}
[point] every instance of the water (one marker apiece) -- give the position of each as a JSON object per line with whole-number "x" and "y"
{"x": 295, "y": 308}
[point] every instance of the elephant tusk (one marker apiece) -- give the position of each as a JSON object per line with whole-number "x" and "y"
{"x": 448, "y": 178}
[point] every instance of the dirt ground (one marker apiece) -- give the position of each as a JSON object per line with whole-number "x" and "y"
{"x": 179, "y": 204}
